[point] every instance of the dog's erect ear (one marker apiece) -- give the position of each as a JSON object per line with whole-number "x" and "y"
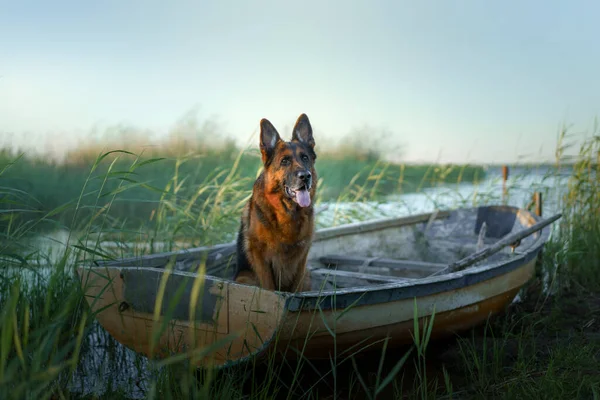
{"x": 268, "y": 139}
{"x": 303, "y": 131}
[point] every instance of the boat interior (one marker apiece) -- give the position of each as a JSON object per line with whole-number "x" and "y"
{"x": 366, "y": 254}
{"x": 383, "y": 251}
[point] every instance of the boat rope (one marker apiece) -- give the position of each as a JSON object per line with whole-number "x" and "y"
{"x": 432, "y": 218}
{"x": 366, "y": 263}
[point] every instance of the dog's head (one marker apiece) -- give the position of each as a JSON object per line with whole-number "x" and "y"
{"x": 289, "y": 166}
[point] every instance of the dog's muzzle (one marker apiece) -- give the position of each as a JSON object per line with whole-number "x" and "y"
{"x": 300, "y": 191}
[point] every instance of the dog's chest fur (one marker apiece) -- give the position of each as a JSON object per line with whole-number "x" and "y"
{"x": 287, "y": 258}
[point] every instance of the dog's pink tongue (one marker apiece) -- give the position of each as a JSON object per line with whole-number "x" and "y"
{"x": 303, "y": 198}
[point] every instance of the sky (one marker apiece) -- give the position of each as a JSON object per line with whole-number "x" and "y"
{"x": 449, "y": 81}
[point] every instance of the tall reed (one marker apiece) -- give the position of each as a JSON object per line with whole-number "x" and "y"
{"x": 51, "y": 346}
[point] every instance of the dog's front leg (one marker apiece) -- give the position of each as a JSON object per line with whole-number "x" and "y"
{"x": 264, "y": 273}
{"x": 247, "y": 278}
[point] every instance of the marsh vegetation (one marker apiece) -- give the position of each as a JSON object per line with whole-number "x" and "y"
{"x": 122, "y": 203}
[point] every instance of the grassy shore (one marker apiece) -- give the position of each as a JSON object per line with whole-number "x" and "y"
{"x": 546, "y": 346}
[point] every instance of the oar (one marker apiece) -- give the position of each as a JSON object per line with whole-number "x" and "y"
{"x": 496, "y": 247}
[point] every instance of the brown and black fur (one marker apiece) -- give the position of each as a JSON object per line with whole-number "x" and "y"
{"x": 276, "y": 232}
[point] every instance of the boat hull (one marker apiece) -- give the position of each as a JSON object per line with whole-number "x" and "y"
{"x": 155, "y": 309}
{"x": 297, "y": 334}
{"x": 369, "y": 326}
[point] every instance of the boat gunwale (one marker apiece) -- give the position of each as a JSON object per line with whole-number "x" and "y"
{"x": 321, "y": 234}
{"x": 378, "y": 224}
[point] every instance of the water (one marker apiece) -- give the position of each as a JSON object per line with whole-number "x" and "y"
{"x": 520, "y": 188}
{"x": 122, "y": 367}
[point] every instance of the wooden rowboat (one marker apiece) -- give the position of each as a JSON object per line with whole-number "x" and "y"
{"x": 463, "y": 265}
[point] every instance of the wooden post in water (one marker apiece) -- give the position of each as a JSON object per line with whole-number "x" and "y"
{"x": 504, "y": 178}
{"x": 537, "y": 203}
{"x": 537, "y": 200}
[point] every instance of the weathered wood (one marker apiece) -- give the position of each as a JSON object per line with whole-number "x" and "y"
{"x": 504, "y": 179}
{"x": 215, "y": 257}
{"x": 368, "y": 300}
{"x": 537, "y": 196}
{"x": 369, "y": 226}
{"x": 504, "y": 172}
{"x": 499, "y": 245}
{"x": 249, "y": 318}
{"x": 392, "y": 322}
{"x": 383, "y": 271}
{"x": 356, "y": 275}
{"x": 422, "y": 266}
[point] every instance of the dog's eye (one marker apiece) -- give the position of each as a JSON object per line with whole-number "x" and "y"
{"x": 285, "y": 161}
{"x": 304, "y": 157}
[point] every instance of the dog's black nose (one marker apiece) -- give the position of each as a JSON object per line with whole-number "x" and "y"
{"x": 304, "y": 176}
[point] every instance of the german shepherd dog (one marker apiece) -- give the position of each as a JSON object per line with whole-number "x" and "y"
{"x": 277, "y": 223}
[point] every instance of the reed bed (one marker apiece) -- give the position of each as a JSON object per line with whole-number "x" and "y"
{"x": 544, "y": 346}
